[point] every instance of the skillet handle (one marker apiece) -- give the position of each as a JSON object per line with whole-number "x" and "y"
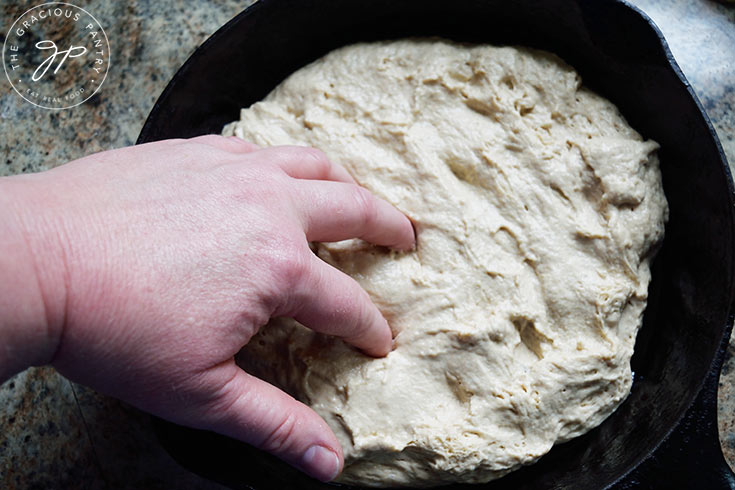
{"x": 691, "y": 456}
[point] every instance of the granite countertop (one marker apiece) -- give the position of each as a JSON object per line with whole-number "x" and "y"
{"x": 58, "y": 434}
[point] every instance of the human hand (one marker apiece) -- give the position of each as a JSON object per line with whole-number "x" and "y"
{"x": 171, "y": 255}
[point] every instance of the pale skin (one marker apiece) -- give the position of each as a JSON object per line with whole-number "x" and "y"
{"x": 142, "y": 271}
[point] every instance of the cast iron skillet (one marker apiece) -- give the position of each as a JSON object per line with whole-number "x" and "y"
{"x": 665, "y": 434}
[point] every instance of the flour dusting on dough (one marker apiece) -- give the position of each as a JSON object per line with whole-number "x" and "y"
{"x": 537, "y": 209}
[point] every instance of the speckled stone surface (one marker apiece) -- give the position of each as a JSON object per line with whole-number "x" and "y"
{"x": 59, "y": 435}
{"x": 45, "y": 443}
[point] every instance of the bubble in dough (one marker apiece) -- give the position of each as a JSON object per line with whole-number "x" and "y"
{"x": 537, "y": 210}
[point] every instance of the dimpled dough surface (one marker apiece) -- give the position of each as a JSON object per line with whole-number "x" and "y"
{"x": 537, "y": 210}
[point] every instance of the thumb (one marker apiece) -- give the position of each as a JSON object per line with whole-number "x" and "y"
{"x": 253, "y": 411}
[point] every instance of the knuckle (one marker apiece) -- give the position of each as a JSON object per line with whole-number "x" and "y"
{"x": 219, "y": 396}
{"x": 282, "y": 436}
{"x": 290, "y": 266}
{"x": 312, "y": 157}
{"x": 322, "y": 165}
{"x": 315, "y": 154}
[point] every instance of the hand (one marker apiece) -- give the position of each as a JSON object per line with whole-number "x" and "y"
{"x": 173, "y": 254}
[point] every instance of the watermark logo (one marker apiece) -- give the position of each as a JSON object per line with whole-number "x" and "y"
{"x": 56, "y": 55}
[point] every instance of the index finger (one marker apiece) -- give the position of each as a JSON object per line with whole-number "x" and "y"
{"x": 303, "y": 162}
{"x": 334, "y": 211}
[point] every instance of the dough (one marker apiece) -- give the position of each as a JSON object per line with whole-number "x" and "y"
{"x": 537, "y": 210}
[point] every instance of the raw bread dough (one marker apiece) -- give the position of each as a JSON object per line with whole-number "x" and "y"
{"x": 537, "y": 210}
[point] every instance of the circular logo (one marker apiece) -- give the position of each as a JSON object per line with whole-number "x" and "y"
{"x": 56, "y": 55}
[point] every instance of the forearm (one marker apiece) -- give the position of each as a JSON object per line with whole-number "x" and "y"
{"x": 31, "y": 264}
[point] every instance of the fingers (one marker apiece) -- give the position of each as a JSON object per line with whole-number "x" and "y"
{"x": 328, "y": 301}
{"x": 301, "y": 162}
{"x": 334, "y": 211}
{"x": 334, "y": 207}
{"x": 260, "y": 414}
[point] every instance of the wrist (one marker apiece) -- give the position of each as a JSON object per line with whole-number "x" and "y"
{"x": 32, "y": 275}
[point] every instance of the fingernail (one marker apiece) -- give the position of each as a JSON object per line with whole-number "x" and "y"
{"x": 415, "y": 237}
{"x": 321, "y": 463}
